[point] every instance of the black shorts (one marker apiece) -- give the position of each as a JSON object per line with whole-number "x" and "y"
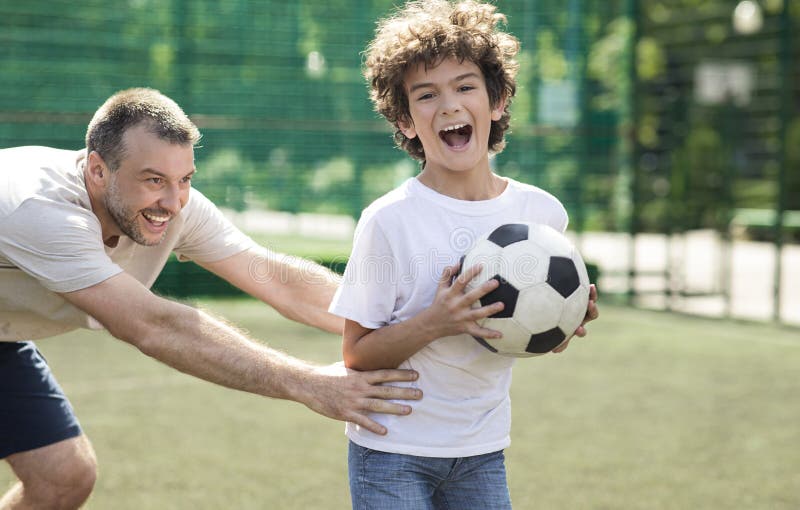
{"x": 34, "y": 411}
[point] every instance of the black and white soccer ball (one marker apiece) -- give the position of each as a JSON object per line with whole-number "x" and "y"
{"x": 544, "y": 286}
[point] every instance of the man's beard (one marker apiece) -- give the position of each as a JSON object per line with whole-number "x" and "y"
{"x": 126, "y": 219}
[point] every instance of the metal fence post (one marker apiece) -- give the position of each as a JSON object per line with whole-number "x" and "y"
{"x": 784, "y": 55}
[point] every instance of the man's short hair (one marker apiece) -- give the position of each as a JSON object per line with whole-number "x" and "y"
{"x": 426, "y": 32}
{"x": 129, "y": 108}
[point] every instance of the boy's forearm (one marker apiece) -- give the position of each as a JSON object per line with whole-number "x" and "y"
{"x": 389, "y": 346}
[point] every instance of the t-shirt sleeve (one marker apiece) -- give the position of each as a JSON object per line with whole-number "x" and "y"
{"x": 562, "y": 218}
{"x": 59, "y": 244}
{"x": 553, "y": 211}
{"x": 558, "y": 216}
{"x": 368, "y": 291}
{"x": 208, "y": 236}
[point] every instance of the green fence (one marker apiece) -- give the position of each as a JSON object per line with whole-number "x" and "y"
{"x": 665, "y": 116}
{"x": 277, "y": 90}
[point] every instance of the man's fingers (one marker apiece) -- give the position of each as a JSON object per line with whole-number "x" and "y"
{"x": 390, "y": 375}
{"x": 395, "y": 393}
{"x": 371, "y": 425}
{"x": 378, "y": 405}
{"x": 375, "y": 405}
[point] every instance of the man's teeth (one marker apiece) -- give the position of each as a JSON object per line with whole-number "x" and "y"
{"x": 155, "y": 219}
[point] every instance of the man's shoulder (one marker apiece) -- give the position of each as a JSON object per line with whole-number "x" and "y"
{"x": 12, "y": 158}
{"x": 34, "y": 172}
{"x": 60, "y": 220}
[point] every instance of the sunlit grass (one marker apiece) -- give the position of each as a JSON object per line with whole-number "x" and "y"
{"x": 651, "y": 411}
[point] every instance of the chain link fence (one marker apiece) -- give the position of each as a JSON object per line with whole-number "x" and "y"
{"x": 656, "y": 123}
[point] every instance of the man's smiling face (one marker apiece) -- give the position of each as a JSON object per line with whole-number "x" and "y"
{"x": 150, "y": 186}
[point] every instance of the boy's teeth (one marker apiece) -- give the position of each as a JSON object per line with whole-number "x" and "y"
{"x": 457, "y": 135}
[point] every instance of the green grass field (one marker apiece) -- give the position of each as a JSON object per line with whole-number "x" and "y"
{"x": 651, "y": 411}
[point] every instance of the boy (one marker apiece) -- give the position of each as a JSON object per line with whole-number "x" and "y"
{"x": 443, "y": 74}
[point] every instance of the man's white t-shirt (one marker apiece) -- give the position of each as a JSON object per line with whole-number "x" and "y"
{"x": 51, "y": 242}
{"x": 402, "y": 244}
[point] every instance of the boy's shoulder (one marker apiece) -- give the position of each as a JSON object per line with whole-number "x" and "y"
{"x": 530, "y": 190}
{"x": 524, "y": 186}
{"x": 392, "y": 200}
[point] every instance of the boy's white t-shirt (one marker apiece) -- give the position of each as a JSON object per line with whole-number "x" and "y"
{"x": 51, "y": 242}
{"x": 402, "y": 244}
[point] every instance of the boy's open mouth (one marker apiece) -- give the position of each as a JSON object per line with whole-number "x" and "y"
{"x": 456, "y": 136}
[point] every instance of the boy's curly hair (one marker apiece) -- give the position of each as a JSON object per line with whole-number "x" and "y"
{"x": 427, "y": 32}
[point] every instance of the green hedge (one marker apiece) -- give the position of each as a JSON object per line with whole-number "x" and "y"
{"x": 185, "y": 279}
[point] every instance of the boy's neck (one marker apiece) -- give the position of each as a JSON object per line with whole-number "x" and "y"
{"x": 464, "y": 186}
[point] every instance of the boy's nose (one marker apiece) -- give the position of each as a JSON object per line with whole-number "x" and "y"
{"x": 450, "y": 105}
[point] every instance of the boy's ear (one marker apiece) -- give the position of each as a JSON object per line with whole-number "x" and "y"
{"x": 407, "y": 128}
{"x": 499, "y": 108}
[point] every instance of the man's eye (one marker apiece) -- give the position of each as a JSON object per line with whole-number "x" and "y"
{"x": 156, "y": 180}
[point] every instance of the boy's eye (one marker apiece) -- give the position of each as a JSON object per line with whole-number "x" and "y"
{"x": 425, "y": 96}
{"x": 465, "y": 88}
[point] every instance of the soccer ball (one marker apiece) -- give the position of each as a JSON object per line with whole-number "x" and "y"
{"x": 543, "y": 284}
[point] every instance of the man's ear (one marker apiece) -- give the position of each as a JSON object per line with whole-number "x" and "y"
{"x": 498, "y": 109}
{"x": 96, "y": 168}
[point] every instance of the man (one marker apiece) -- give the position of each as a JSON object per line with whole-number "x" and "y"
{"x": 84, "y": 234}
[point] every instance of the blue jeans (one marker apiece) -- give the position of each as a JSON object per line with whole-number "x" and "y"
{"x": 392, "y": 481}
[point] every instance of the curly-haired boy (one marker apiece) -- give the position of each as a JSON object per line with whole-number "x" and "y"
{"x": 443, "y": 74}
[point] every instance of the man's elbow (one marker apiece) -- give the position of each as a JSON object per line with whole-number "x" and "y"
{"x": 136, "y": 333}
{"x": 145, "y": 331}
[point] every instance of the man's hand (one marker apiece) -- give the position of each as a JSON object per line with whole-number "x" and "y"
{"x": 343, "y": 394}
{"x": 591, "y": 314}
{"x": 195, "y": 343}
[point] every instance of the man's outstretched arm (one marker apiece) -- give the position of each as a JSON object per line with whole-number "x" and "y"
{"x": 193, "y": 342}
{"x": 300, "y": 289}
